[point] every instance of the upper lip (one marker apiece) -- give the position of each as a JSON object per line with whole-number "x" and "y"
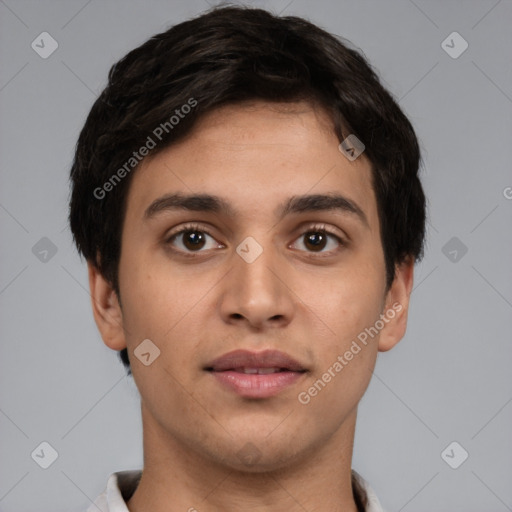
{"x": 247, "y": 359}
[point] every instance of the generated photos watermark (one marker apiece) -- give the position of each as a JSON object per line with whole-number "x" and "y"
{"x": 305, "y": 397}
{"x": 151, "y": 142}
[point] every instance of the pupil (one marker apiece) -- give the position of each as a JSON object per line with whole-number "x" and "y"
{"x": 193, "y": 239}
{"x": 316, "y": 240}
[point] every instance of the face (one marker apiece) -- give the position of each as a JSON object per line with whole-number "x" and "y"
{"x": 279, "y": 265}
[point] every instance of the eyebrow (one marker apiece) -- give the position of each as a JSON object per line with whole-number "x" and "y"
{"x": 215, "y": 204}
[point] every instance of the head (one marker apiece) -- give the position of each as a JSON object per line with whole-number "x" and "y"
{"x": 245, "y": 111}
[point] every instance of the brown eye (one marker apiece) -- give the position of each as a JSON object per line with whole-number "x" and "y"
{"x": 319, "y": 241}
{"x": 315, "y": 240}
{"x": 193, "y": 240}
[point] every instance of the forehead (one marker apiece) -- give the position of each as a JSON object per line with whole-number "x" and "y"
{"x": 256, "y": 156}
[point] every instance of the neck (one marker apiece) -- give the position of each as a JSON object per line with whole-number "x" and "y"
{"x": 186, "y": 479}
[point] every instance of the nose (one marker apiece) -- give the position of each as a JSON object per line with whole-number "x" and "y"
{"x": 256, "y": 292}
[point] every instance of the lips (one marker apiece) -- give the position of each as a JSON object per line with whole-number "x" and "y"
{"x": 256, "y": 374}
{"x": 269, "y": 361}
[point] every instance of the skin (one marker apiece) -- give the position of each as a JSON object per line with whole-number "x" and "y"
{"x": 308, "y": 303}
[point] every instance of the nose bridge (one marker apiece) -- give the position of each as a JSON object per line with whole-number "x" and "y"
{"x": 255, "y": 289}
{"x": 255, "y": 266}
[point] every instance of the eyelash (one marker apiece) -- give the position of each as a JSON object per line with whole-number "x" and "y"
{"x": 315, "y": 228}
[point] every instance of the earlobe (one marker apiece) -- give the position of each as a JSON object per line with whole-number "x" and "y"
{"x": 106, "y": 310}
{"x": 396, "y": 307}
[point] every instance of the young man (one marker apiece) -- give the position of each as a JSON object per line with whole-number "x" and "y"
{"x": 246, "y": 196}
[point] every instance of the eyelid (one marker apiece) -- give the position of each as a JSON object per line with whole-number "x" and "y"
{"x": 341, "y": 239}
{"x": 301, "y": 231}
{"x": 322, "y": 226}
{"x": 189, "y": 226}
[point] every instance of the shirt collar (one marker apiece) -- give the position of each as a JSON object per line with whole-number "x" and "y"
{"x": 121, "y": 486}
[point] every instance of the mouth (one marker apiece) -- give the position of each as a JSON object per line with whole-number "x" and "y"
{"x": 256, "y": 374}
{"x": 256, "y": 371}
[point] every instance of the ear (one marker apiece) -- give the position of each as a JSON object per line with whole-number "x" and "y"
{"x": 396, "y": 306}
{"x": 106, "y": 310}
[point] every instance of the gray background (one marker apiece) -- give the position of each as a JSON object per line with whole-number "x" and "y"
{"x": 448, "y": 380}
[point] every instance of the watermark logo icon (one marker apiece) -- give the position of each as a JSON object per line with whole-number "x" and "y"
{"x": 454, "y": 455}
{"x": 44, "y": 455}
{"x": 44, "y": 250}
{"x": 249, "y": 250}
{"x": 454, "y": 249}
{"x": 44, "y": 45}
{"x": 454, "y": 45}
{"x": 147, "y": 352}
{"x": 351, "y": 147}
{"x": 249, "y": 454}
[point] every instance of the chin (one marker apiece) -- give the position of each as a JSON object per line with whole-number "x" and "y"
{"x": 258, "y": 455}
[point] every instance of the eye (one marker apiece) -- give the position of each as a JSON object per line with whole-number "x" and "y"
{"x": 318, "y": 239}
{"x": 192, "y": 238}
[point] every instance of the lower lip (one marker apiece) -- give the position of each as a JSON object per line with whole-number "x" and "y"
{"x": 257, "y": 385}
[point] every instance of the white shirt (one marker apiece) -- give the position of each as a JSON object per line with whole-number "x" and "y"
{"x": 122, "y": 485}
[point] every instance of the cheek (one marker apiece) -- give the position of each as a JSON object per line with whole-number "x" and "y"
{"x": 160, "y": 303}
{"x": 348, "y": 306}
{"x": 346, "y": 356}
{"x": 349, "y": 299}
